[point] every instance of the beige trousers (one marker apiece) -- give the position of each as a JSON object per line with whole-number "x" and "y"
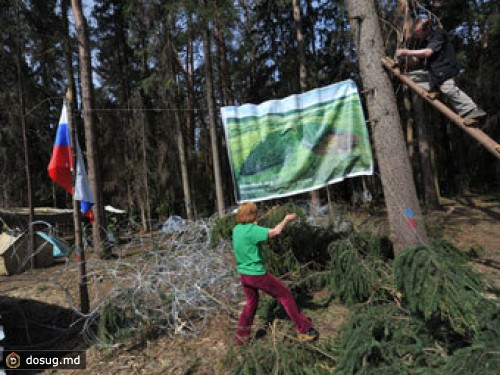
{"x": 456, "y": 98}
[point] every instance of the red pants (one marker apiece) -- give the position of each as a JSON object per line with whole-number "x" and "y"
{"x": 274, "y": 287}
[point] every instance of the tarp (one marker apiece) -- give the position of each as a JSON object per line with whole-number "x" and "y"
{"x": 114, "y": 210}
{"x": 7, "y": 240}
{"x": 59, "y": 248}
{"x": 15, "y": 255}
{"x": 173, "y": 224}
{"x": 297, "y": 144}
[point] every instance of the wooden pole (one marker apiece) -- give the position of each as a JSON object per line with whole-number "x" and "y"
{"x": 84, "y": 293}
{"x": 492, "y": 146}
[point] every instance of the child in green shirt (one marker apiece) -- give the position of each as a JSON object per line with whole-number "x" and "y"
{"x": 247, "y": 237}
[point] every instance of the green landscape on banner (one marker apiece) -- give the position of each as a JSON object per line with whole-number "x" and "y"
{"x": 297, "y": 144}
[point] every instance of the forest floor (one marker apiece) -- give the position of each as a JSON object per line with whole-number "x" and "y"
{"x": 467, "y": 221}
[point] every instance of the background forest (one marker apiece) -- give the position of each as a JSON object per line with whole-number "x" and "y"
{"x": 162, "y": 70}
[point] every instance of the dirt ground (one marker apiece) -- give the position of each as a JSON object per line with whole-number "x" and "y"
{"x": 36, "y": 314}
{"x": 474, "y": 221}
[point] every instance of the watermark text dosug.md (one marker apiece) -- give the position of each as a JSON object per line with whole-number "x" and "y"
{"x": 29, "y": 360}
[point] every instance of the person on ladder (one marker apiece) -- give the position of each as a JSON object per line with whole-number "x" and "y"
{"x": 440, "y": 68}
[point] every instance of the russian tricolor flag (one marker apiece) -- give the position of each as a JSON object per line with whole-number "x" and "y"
{"x": 61, "y": 165}
{"x": 61, "y": 162}
{"x": 82, "y": 186}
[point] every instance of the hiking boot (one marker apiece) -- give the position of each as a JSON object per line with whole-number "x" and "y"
{"x": 311, "y": 335}
{"x": 475, "y": 114}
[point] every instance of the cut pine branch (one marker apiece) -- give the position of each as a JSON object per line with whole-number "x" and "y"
{"x": 492, "y": 146}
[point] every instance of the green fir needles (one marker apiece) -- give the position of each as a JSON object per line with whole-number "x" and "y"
{"x": 385, "y": 339}
{"x": 300, "y": 246}
{"x": 357, "y": 271}
{"x": 483, "y": 356}
{"x": 439, "y": 285}
{"x": 223, "y": 229}
{"x": 114, "y": 325}
{"x": 280, "y": 354}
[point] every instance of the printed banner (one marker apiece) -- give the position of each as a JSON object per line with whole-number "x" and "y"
{"x": 297, "y": 144}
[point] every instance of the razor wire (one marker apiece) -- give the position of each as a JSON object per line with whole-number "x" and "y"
{"x": 162, "y": 286}
{"x": 157, "y": 279}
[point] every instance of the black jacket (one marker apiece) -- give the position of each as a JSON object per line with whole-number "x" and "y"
{"x": 442, "y": 64}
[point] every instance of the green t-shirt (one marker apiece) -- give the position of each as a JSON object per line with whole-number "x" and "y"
{"x": 247, "y": 251}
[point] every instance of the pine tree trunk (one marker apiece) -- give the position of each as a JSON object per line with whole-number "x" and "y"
{"x": 190, "y": 103}
{"x": 312, "y": 43}
{"x": 463, "y": 176}
{"x": 145, "y": 174}
{"x": 411, "y": 139}
{"x": 314, "y": 195}
{"x": 300, "y": 45}
{"x": 191, "y": 97}
{"x": 184, "y": 170}
{"x": 27, "y": 158}
{"x": 173, "y": 98}
{"x": 186, "y": 187}
{"x": 212, "y": 121}
{"x": 227, "y": 92}
{"x": 405, "y": 217}
{"x": 88, "y": 99}
{"x": 431, "y": 192}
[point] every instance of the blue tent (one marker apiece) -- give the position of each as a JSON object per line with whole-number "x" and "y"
{"x": 60, "y": 248}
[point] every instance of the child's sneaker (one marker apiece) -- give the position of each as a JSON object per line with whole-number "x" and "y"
{"x": 311, "y": 335}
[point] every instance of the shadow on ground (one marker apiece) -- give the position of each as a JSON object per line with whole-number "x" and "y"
{"x": 33, "y": 327}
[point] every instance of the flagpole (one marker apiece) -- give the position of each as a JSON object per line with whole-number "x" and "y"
{"x": 84, "y": 293}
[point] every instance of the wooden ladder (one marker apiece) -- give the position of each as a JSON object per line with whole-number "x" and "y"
{"x": 433, "y": 99}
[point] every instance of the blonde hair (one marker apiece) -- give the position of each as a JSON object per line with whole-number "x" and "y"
{"x": 247, "y": 213}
